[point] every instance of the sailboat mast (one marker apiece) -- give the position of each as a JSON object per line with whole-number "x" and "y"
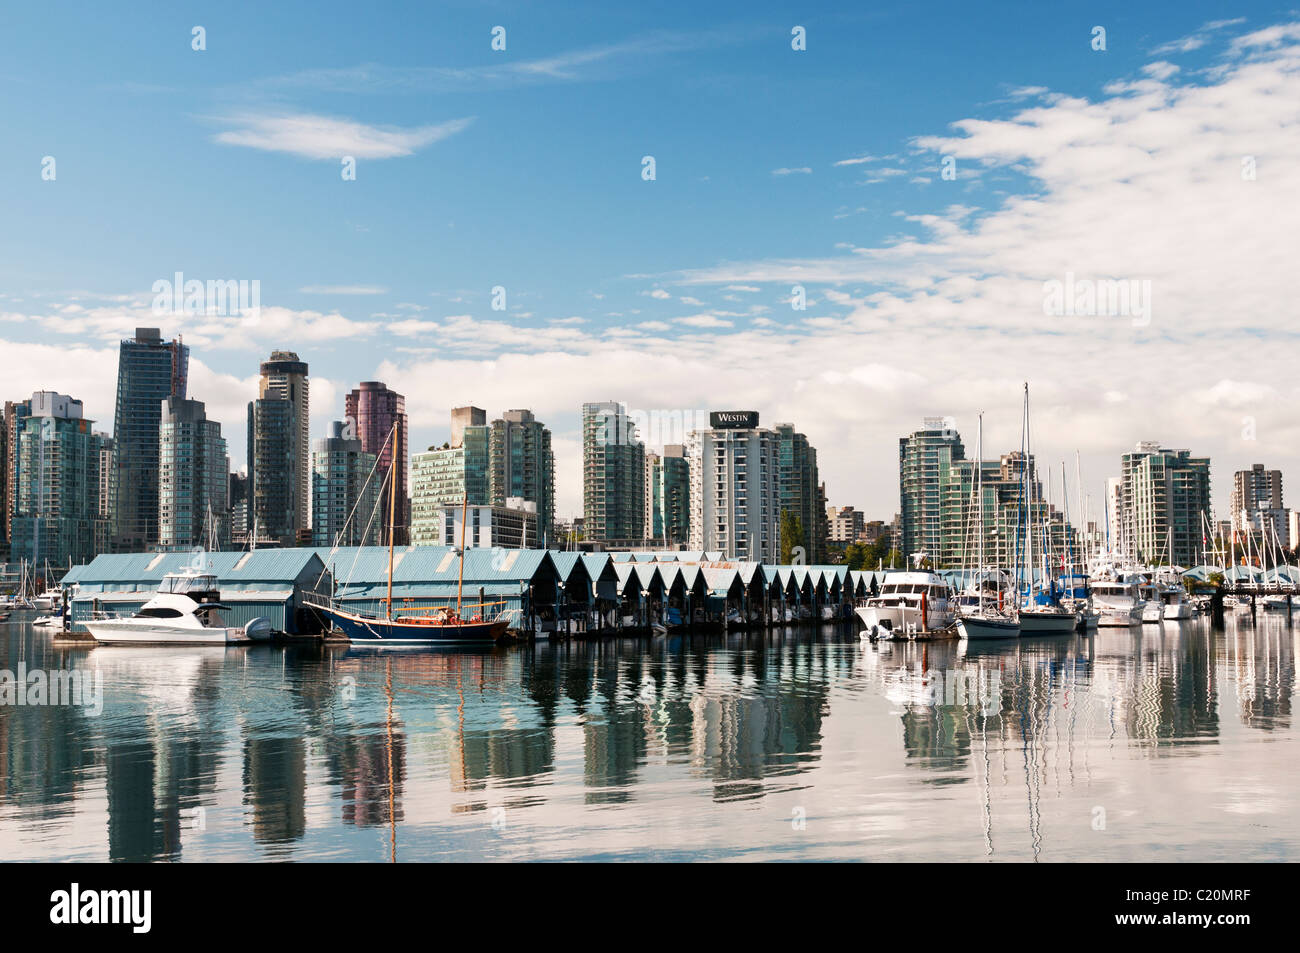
{"x": 1029, "y": 496}
{"x": 392, "y": 518}
{"x": 979, "y": 496}
{"x": 460, "y": 580}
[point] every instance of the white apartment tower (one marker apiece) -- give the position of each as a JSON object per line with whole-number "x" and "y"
{"x": 735, "y": 488}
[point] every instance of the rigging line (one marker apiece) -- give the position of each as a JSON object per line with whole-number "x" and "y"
{"x": 339, "y": 535}
{"x": 357, "y": 555}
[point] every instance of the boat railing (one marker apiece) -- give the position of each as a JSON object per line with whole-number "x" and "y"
{"x": 437, "y": 609}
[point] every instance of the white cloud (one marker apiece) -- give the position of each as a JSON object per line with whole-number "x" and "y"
{"x": 704, "y": 321}
{"x": 804, "y": 170}
{"x": 325, "y": 137}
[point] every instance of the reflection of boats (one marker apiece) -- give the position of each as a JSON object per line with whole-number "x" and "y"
{"x": 185, "y": 611}
{"x": 909, "y": 605}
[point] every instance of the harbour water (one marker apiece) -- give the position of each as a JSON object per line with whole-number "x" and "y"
{"x": 1168, "y": 742}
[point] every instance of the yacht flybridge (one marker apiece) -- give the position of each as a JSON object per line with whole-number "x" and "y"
{"x": 186, "y": 610}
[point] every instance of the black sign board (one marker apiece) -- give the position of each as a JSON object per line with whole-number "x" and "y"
{"x": 733, "y": 419}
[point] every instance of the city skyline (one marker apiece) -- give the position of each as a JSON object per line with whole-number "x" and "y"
{"x": 857, "y": 212}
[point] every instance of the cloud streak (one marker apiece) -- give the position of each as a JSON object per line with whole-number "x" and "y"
{"x": 312, "y": 136}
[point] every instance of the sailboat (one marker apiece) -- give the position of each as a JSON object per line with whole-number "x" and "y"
{"x": 985, "y": 621}
{"x": 1041, "y": 614}
{"x": 424, "y": 626}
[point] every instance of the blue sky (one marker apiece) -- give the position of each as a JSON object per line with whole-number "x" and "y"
{"x": 522, "y": 168}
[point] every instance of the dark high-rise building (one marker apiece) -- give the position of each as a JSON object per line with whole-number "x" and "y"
{"x": 521, "y": 466}
{"x": 149, "y": 370}
{"x": 613, "y": 474}
{"x": 279, "y": 461}
{"x": 15, "y": 411}
{"x": 668, "y": 495}
{"x": 239, "y": 515}
{"x": 373, "y": 410}
{"x": 801, "y": 492}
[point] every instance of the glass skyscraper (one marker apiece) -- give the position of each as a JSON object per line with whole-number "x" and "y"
{"x": 57, "y": 471}
{"x": 801, "y": 490}
{"x": 149, "y": 370}
{"x": 345, "y": 492}
{"x": 668, "y": 495}
{"x": 1163, "y": 495}
{"x": 924, "y": 458}
{"x": 613, "y": 474}
{"x": 521, "y": 466}
{"x": 193, "y": 478}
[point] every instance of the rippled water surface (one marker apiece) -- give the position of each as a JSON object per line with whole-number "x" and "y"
{"x": 1167, "y": 742}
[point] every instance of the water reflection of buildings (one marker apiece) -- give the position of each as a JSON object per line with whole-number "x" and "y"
{"x": 275, "y": 786}
{"x": 1260, "y": 661}
{"x": 737, "y": 717}
{"x": 739, "y": 713}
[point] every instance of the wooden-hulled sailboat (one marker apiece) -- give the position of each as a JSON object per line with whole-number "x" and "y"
{"x": 441, "y": 625}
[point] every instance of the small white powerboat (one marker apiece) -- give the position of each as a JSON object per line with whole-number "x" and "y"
{"x": 185, "y": 611}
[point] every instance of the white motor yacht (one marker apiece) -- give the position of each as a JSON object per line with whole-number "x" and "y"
{"x": 47, "y": 600}
{"x": 910, "y": 605}
{"x": 185, "y": 611}
{"x": 1117, "y": 602}
{"x": 1153, "y": 609}
{"x": 1275, "y": 602}
{"x": 1176, "y": 603}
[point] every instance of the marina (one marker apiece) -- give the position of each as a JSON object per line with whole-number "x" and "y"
{"x": 790, "y": 744}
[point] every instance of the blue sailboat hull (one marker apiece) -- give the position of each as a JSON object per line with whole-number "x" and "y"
{"x": 361, "y": 629}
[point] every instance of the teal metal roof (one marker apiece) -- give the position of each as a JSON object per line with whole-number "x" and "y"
{"x": 1285, "y": 574}
{"x": 599, "y": 566}
{"x": 368, "y": 565}
{"x": 722, "y": 581}
{"x": 1242, "y": 574}
{"x": 264, "y": 569}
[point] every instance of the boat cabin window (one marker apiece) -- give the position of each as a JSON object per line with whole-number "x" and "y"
{"x": 188, "y": 582}
{"x": 160, "y": 612}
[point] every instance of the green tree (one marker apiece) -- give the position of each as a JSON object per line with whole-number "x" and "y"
{"x": 791, "y": 536}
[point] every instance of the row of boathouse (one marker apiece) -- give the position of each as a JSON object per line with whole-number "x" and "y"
{"x": 545, "y": 592}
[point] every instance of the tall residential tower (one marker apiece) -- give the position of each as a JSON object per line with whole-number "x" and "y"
{"x": 278, "y": 462}
{"x": 149, "y": 370}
